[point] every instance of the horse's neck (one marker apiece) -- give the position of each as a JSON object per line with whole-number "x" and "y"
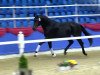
{"x": 46, "y": 22}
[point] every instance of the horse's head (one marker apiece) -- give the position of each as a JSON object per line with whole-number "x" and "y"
{"x": 37, "y": 20}
{"x": 40, "y": 20}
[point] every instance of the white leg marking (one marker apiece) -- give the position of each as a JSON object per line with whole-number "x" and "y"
{"x": 37, "y": 50}
{"x": 38, "y": 47}
{"x": 52, "y": 52}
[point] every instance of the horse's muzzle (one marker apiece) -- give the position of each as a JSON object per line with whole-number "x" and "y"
{"x": 34, "y": 28}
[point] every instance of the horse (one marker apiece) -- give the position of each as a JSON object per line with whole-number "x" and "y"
{"x": 54, "y": 29}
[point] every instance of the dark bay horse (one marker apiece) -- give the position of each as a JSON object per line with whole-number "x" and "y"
{"x": 53, "y": 29}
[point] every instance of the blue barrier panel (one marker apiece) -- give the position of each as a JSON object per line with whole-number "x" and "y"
{"x": 13, "y": 49}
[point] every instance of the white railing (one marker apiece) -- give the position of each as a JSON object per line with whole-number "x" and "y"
{"x": 49, "y": 17}
{"x": 52, "y": 6}
{"x": 76, "y": 11}
{"x": 46, "y": 11}
{"x": 21, "y": 41}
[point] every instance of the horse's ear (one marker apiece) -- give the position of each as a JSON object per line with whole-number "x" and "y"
{"x": 34, "y": 14}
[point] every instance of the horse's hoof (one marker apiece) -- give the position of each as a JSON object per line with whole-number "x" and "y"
{"x": 85, "y": 54}
{"x": 65, "y": 53}
{"x": 35, "y": 55}
{"x": 54, "y": 55}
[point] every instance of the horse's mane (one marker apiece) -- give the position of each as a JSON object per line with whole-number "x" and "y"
{"x": 46, "y": 18}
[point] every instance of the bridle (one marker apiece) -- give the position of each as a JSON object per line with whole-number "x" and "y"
{"x": 37, "y": 22}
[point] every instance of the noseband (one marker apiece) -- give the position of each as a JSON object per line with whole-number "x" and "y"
{"x": 37, "y": 22}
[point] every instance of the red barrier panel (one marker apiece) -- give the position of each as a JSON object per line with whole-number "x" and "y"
{"x": 2, "y": 31}
{"x": 94, "y": 27}
{"x": 40, "y": 29}
{"x": 26, "y": 31}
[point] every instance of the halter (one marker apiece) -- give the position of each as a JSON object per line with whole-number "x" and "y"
{"x": 37, "y": 22}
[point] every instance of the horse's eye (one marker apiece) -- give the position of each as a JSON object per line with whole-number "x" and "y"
{"x": 35, "y": 19}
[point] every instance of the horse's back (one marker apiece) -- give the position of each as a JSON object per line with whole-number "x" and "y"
{"x": 65, "y": 29}
{"x": 71, "y": 28}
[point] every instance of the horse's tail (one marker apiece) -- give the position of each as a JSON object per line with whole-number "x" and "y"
{"x": 87, "y": 34}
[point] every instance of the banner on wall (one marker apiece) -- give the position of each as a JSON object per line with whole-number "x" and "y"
{"x": 28, "y": 30}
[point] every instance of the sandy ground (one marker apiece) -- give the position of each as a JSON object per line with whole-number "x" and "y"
{"x": 47, "y": 65}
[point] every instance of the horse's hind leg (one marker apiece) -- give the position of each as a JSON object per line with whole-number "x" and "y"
{"x": 82, "y": 46}
{"x": 70, "y": 43}
{"x": 37, "y": 49}
{"x": 50, "y": 46}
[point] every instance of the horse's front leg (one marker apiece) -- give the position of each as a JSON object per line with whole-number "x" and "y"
{"x": 38, "y": 48}
{"x": 51, "y": 49}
